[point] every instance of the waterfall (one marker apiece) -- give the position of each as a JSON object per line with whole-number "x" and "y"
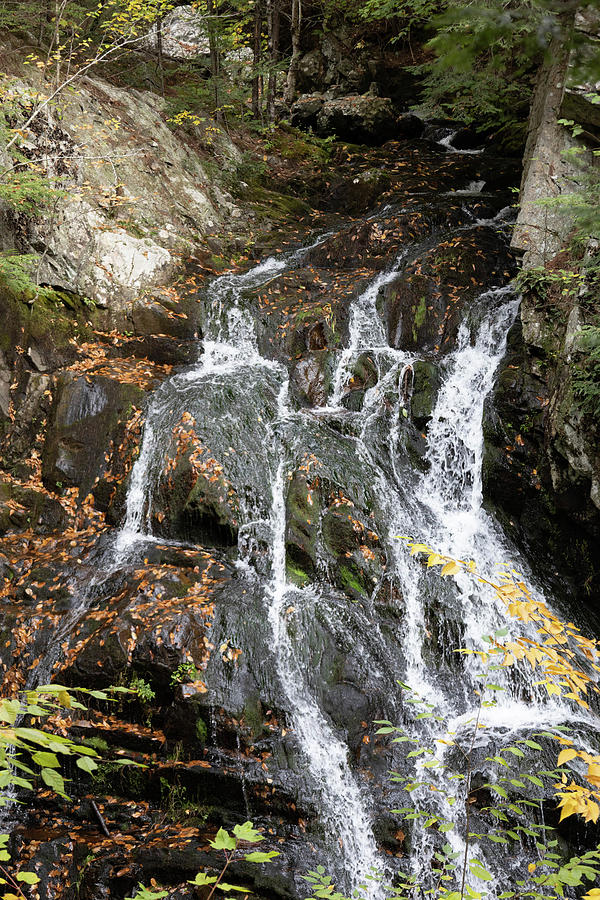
{"x": 230, "y": 354}
{"x": 241, "y": 403}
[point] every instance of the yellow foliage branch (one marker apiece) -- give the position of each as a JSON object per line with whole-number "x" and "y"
{"x": 556, "y": 654}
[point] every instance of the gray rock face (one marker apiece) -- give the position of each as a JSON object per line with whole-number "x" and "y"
{"x": 119, "y": 226}
{"x": 184, "y": 34}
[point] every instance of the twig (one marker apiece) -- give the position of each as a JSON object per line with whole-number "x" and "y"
{"x": 101, "y": 821}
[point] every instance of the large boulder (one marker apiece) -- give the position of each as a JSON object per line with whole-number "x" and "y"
{"x": 361, "y": 118}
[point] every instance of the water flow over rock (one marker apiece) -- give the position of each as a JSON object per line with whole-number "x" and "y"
{"x": 260, "y": 541}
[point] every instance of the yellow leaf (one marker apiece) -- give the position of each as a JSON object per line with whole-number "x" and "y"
{"x": 565, "y": 755}
{"x": 593, "y": 774}
{"x": 434, "y": 560}
{"x": 419, "y": 548}
{"x": 592, "y": 811}
{"x": 594, "y": 894}
{"x": 531, "y": 867}
{"x": 65, "y": 699}
{"x": 568, "y": 807}
{"x": 451, "y": 568}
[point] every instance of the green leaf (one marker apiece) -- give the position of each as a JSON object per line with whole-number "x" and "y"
{"x": 257, "y": 857}
{"x": 27, "y": 877}
{"x": 46, "y": 760}
{"x": 202, "y": 878}
{"x": 479, "y": 871}
{"x": 223, "y": 886}
{"x": 86, "y": 764}
{"x": 247, "y": 832}
{"x": 223, "y": 841}
{"x": 498, "y": 790}
{"x": 533, "y": 744}
{"x": 9, "y": 710}
{"x": 54, "y": 780}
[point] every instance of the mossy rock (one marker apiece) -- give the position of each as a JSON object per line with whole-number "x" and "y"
{"x": 426, "y": 382}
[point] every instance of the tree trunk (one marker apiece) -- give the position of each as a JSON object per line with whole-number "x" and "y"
{"x": 290, "y": 86}
{"x": 159, "y": 54}
{"x": 215, "y": 57}
{"x": 274, "y": 21}
{"x": 256, "y": 48}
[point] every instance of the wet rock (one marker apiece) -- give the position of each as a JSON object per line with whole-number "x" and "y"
{"x": 310, "y": 380}
{"x": 160, "y": 316}
{"x": 468, "y": 139}
{"x": 426, "y": 382}
{"x": 423, "y": 305}
{"x": 409, "y": 126}
{"x": 540, "y": 460}
{"x": 363, "y": 191}
{"x": 364, "y": 375}
{"x": 23, "y": 507}
{"x": 87, "y": 416}
{"x": 197, "y": 502}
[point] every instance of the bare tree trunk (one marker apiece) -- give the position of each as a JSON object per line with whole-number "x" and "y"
{"x": 215, "y": 57}
{"x": 159, "y": 54}
{"x": 273, "y": 18}
{"x": 296, "y": 25}
{"x": 256, "y": 49}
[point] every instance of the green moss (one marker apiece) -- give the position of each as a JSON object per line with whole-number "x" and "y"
{"x": 350, "y": 581}
{"x": 273, "y": 205}
{"x": 253, "y": 717}
{"x": 201, "y": 730}
{"x": 296, "y": 574}
{"x": 96, "y": 743}
{"x": 219, "y": 263}
{"x": 419, "y": 317}
{"x": 125, "y": 781}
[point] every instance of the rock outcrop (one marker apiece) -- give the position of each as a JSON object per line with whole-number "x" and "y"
{"x": 132, "y": 198}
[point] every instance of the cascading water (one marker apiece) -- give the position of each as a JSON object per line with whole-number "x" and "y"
{"x": 444, "y": 505}
{"x": 445, "y": 508}
{"x": 231, "y": 356}
{"x": 243, "y": 408}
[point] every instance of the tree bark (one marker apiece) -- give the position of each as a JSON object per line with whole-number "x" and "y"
{"x": 215, "y": 57}
{"x": 273, "y": 17}
{"x": 257, "y": 54}
{"x": 296, "y": 25}
{"x": 159, "y": 54}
